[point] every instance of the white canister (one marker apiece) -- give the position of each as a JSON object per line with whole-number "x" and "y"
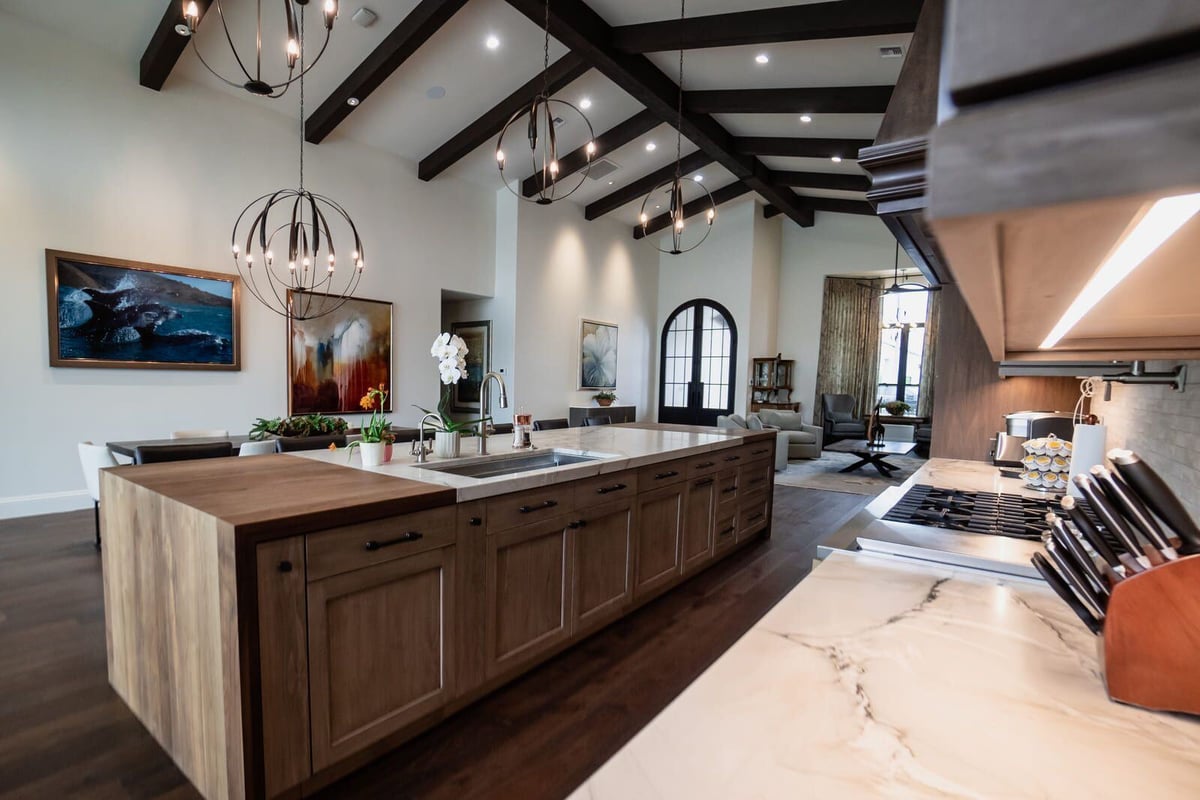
{"x": 447, "y": 444}
{"x": 1089, "y": 441}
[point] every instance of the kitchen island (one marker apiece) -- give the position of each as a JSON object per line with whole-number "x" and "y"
{"x": 878, "y": 677}
{"x": 276, "y": 621}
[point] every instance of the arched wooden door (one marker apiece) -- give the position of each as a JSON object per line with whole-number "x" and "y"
{"x": 696, "y": 375}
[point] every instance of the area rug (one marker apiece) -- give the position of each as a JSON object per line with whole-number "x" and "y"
{"x": 822, "y": 473}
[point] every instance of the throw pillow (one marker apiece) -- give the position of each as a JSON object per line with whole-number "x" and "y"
{"x": 754, "y": 423}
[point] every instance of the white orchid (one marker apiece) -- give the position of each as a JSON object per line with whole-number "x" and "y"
{"x": 451, "y": 353}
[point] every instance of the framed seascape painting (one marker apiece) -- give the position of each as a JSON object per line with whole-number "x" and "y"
{"x": 478, "y": 336}
{"x": 109, "y": 312}
{"x": 334, "y": 359}
{"x": 597, "y": 355}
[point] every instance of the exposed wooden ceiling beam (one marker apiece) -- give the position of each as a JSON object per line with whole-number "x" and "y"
{"x": 834, "y": 20}
{"x": 831, "y": 204}
{"x": 166, "y": 46}
{"x": 562, "y": 72}
{"x": 691, "y": 209}
{"x": 642, "y": 186}
{"x": 824, "y": 100}
{"x": 610, "y": 140}
{"x": 582, "y": 30}
{"x": 799, "y": 148}
{"x": 822, "y": 180}
{"x": 413, "y": 31}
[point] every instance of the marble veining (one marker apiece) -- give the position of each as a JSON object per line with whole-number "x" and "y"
{"x": 615, "y": 447}
{"x": 877, "y": 678}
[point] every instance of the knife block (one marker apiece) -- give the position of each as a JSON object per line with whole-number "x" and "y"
{"x": 1151, "y": 642}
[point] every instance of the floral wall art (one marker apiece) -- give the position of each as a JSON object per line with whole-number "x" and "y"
{"x": 597, "y": 355}
{"x": 334, "y": 360}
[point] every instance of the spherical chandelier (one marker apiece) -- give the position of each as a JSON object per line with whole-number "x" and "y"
{"x": 306, "y": 279}
{"x": 294, "y": 19}
{"x": 677, "y": 209}
{"x": 543, "y": 138}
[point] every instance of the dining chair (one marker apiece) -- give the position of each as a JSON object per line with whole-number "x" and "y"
{"x": 291, "y": 444}
{"x": 93, "y": 458}
{"x": 160, "y": 453}
{"x": 260, "y": 448}
{"x": 201, "y": 433}
{"x": 549, "y": 424}
{"x": 590, "y": 421}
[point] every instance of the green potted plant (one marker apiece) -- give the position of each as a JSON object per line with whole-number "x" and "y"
{"x": 376, "y": 436}
{"x": 300, "y": 425}
{"x": 605, "y": 398}
{"x": 451, "y": 353}
{"x": 897, "y": 408}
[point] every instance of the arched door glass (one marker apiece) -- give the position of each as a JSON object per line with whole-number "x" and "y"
{"x": 699, "y": 343}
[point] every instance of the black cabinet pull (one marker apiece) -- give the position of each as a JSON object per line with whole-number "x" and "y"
{"x": 760, "y": 452}
{"x": 706, "y": 465}
{"x": 616, "y": 487}
{"x": 572, "y": 525}
{"x": 725, "y": 532}
{"x": 538, "y": 507}
{"x": 476, "y": 521}
{"x": 411, "y": 536}
{"x": 729, "y": 489}
{"x": 285, "y": 566}
{"x": 662, "y": 476}
{"x": 733, "y": 458}
{"x": 704, "y": 482}
{"x": 579, "y": 523}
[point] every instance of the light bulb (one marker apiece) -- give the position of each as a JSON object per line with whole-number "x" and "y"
{"x": 712, "y": 214}
{"x": 492, "y": 42}
{"x": 270, "y": 256}
{"x": 762, "y": 58}
{"x": 591, "y": 148}
{"x": 306, "y": 262}
{"x": 331, "y": 8}
{"x": 292, "y": 266}
{"x": 836, "y": 159}
{"x": 806, "y": 118}
{"x": 651, "y": 147}
{"x": 644, "y": 218}
{"x": 191, "y": 10}
{"x": 500, "y": 156}
{"x": 354, "y": 256}
{"x": 360, "y": 265}
{"x": 585, "y": 103}
{"x": 678, "y": 224}
{"x": 249, "y": 260}
{"x": 553, "y": 167}
{"x": 236, "y": 250}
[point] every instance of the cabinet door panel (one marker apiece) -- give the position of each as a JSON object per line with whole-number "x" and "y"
{"x": 527, "y": 580}
{"x": 379, "y": 653}
{"x": 659, "y": 521}
{"x": 603, "y": 561}
{"x": 699, "y": 517}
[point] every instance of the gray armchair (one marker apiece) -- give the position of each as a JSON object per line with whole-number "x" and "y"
{"x": 839, "y": 421}
{"x": 737, "y": 422}
{"x": 803, "y": 441}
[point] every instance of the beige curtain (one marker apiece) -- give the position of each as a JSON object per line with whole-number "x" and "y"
{"x": 929, "y": 359}
{"x": 849, "y": 356}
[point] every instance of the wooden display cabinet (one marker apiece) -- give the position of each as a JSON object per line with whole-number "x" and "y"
{"x": 771, "y": 384}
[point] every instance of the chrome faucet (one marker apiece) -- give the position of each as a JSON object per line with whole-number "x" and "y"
{"x": 420, "y": 452}
{"x": 484, "y": 402}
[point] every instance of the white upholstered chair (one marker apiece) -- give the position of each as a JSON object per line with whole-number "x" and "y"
{"x": 93, "y": 458}
{"x": 201, "y": 433}
{"x": 257, "y": 448}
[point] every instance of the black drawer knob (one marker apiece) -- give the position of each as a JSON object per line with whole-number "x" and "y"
{"x": 475, "y": 521}
{"x": 285, "y": 566}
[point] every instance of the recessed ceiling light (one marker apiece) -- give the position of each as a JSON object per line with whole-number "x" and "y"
{"x": 658, "y": 206}
{"x": 352, "y": 101}
{"x": 762, "y": 58}
{"x": 651, "y": 147}
{"x": 585, "y": 103}
{"x": 806, "y": 118}
{"x": 836, "y": 159}
{"x": 698, "y": 178}
{"x": 435, "y": 92}
{"x": 610, "y": 183}
{"x": 492, "y": 42}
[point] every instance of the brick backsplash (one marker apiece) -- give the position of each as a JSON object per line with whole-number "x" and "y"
{"x": 1162, "y": 426}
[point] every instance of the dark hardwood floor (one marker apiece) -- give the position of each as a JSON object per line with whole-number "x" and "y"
{"x": 64, "y": 732}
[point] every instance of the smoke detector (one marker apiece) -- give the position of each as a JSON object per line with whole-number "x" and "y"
{"x": 364, "y": 17}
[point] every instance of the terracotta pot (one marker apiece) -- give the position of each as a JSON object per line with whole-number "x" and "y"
{"x": 604, "y": 403}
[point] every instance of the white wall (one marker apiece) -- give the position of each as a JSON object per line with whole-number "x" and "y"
{"x": 91, "y": 162}
{"x": 838, "y": 244}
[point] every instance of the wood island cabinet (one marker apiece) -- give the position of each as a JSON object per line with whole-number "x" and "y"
{"x": 323, "y": 647}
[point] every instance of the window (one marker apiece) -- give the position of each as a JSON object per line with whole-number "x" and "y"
{"x": 902, "y": 346}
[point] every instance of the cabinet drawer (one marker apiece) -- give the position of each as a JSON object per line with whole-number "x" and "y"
{"x": 523, "y": 508}
{"x": 726, "y": 532}
{"x": 605, "y": 488}
{"x": 732, "y": 457}
{"x": 664, "y": 474}
{"x": 752, "y": 516}
{"x": 706, "y": 464}
{"x": 727, "y": 491}
{"x": 754, "y": 477}
{"x": 354, "y": 546}
{"x": 757, "y": 450}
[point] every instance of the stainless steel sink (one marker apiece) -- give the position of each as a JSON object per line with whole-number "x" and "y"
{"x": 511, "y": 465}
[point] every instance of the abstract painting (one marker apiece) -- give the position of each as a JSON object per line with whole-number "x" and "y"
{"x": 478, "y": 336}
{"x": 597, "y": 355}
{"x": 334, "y": 359}
{"x": 108, "y": 312}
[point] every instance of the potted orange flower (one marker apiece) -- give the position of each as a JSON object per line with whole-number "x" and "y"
{"x": 376, "y": 437}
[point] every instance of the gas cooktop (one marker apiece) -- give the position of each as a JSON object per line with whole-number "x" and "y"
{"x": 1010, "y": 515}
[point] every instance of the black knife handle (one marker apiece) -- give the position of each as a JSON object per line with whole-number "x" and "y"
{"x": 1062, "y": 590}
{"x": 1067, "y": 541}
{"x": 1074, "y": 578}
{"x": 1084, "y": 523}
{"x": 1121, "y": 496}
{"x": 1107, "y": 514}
{"x": 1152, "y": 489}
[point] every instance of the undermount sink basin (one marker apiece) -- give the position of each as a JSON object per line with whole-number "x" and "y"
{"x": 511, "y": 465}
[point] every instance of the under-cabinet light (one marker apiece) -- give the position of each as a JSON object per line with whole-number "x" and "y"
{"x": 1163, "y": 219}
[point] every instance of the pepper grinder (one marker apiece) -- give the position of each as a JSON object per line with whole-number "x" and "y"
{"x": 522, "y": 430}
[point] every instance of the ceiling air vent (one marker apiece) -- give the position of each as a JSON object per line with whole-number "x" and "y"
{"x": 601, "y": 168}
{"x": 892, "y": 51}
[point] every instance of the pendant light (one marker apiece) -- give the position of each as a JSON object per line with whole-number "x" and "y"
{"x": 294, "y": 19}
{"x": 545, "y": 114}
{"x": 307, "y": 281}
{"x": 674, "y": 187}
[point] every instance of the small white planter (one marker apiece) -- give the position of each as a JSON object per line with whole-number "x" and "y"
{"x": 373, "y": 453}
{"x": 447, "y": 444}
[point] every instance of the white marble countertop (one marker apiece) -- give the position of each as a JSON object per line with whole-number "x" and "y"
{"x": 615, "y": 448}
{"x": 880, "y": 678}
